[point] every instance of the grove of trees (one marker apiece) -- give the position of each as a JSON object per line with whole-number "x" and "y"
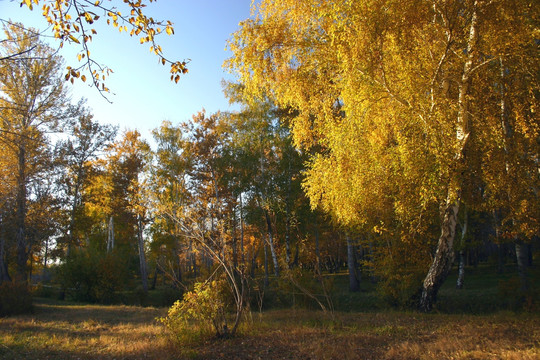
{"x": 376, "y": 138}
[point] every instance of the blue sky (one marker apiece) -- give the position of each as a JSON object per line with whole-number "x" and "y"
{"x": 144, "y": 95}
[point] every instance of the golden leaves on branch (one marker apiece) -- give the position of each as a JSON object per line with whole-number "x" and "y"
{"x": 29, "y": 3}
{"x": 69, "y": 20}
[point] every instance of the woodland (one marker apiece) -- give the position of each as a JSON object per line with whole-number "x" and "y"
{"x": 382, "y": 151}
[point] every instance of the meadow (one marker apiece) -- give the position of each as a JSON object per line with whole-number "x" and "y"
{"x": 81, "y": 331}
{"x": 473, "y": 323}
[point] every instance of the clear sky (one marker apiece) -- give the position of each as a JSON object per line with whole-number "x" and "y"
{"x": 144, "y": 95}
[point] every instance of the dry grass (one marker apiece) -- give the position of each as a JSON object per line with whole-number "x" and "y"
{"x": 85, "y": 332}
{"x": 119, "y": 332}
{"x": 388, "y": 335}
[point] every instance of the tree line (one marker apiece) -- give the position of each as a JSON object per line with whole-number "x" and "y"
{"x": 379, "y": 137}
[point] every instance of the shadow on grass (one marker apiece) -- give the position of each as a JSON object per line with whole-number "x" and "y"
{"x": 109, "y": 314}
{"x": 77, "y": 331}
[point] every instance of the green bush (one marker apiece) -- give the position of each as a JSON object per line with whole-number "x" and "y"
{"x": 15, "y": 298}
{"x": 89, "y": 275}
{"x": 46, "y": 291}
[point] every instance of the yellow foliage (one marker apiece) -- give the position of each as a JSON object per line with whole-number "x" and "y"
{"x": 375, "y": 87}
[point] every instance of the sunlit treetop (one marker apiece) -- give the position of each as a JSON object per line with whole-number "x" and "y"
{"x": 72, "y": 22}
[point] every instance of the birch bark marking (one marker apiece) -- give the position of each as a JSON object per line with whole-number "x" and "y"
{"x": 444, "y": 254}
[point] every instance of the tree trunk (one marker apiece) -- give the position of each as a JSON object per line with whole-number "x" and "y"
{"x": 46, "y": 255}
{"x": 4, "y": 275}
{"x": 242, "y": 255}
{"x": 297, "y": 254}
{"x": 154, "y": 278}
{"x": 22, "y": 254}
{"x": 288, "y": 237}
{"x": 444, "y": 255}
{"x": 522, "y": 255}
{"x": 354, "y": 281}
{"x": 271, "y": 243}
{"x": 461, "y": 269}
{"x": 443, "y": 259}
{"x": 73, "y": 211}
{"x": 234, "y": 243}
{"x": 522, "y": 250}
{"x": 110, "y": 237}
{"x": 253, "y": 258}
{"x": 288, "y": 218}
{"x": 178, "y": 273}
{"x": 192, "y": 259}
{"x": 142, "y": 257}
{"x": 500, "y": 247}
{"x": 266, "y": 272}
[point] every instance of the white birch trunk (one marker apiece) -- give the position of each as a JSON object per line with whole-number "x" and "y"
{"x": 444, "y": 255}
{"x": 110, "y": 237}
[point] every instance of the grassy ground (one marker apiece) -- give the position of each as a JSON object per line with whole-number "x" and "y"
{"x": 473, "y": 323}
{"x": 75, "y": 331}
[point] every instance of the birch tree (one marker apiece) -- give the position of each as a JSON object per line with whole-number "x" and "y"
{"x": 390, "y": 93}
{"x": 33, "y": 103}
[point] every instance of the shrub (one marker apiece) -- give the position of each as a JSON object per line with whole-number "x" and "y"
{"x": 200, "y": 314}
{"x": 89, "y": 275}
{"x": 46, "y": 291}
{"x": 15, "y": 298}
